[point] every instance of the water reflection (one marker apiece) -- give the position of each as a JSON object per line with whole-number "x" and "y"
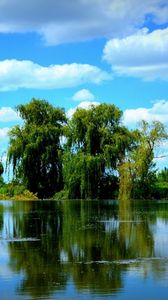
{"x": 82, "y": 247}
{"x": 134, "y": 232}
{"x": 1, "y": 217}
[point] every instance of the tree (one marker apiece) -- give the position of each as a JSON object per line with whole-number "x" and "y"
{"x": 1, "y": 168}
{"x": 137, "y": 172}
{"x": 161, "y": 186}
{"x": 162, "y": 176}
{"x": 96, "y": 143}
{"x": 35, "y": 149}
{"x": 1, "y": 172}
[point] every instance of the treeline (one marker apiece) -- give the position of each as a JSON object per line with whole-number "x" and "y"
{"x": 91, "y": 155}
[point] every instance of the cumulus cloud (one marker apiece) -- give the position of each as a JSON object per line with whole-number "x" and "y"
{"x": 158, "y": 112}
{"x": 4, "y": 140}
{"x": 143, "y": 55}
{"x": 4, "y": 132}
{"x": 161, "y": 155}
{"x": 7, "y": 114}
{"x": 15, "y": 74}
{"x": 78, "y": 20}
{"x": 83, "y": 95}
{"x": 84, "y": 104}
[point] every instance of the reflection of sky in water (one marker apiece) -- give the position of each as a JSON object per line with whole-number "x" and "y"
{"x": 161, "y": 238}
{"x": 7, "y": 220}
{"x": 5, "y": 270}
{"x": 7, "y": 231}
{"x": 9, "y": 217}
{"x": 110, "y": 225}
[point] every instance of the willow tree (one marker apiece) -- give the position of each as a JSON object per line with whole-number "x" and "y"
{"x": 34, "y": 148}
{"x": 1, "y": 168}
{"x": 137, "y": 172}
{"x": 96, "y": 142}
{"x": 1, "y": 172}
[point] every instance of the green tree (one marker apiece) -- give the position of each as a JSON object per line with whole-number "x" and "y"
{"x": 35, "y": 147}
{"x": 96, "y": 143}
{"x": 138, "y": 172}
{"x": 161, "y": 186}
{"x": 1, "y": 168}
{"x": 1, "y": 172}
{"x": 162, "y": 176}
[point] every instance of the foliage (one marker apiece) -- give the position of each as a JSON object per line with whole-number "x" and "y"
{"x": 99, "y": 155}
{"x": 16, "y": 191}
{"x": 1, "y": 172}
{"x": 1, "y": 168}
{"x": 1, "y": 181}
{"x": 138, "y": 173}
{"x": 35, "y": 150}
{"x": 97, "y": 131}
{"x": 162, "y": 176}
{"x": 86, "y": 171}
{"x": 62, "y": 195}
{"x": 26, "y": 195}
{"x": 96, "y": 143}
{"x": 161, "y": 186}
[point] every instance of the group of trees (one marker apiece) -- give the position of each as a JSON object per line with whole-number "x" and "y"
{"x": 91, "y": 155}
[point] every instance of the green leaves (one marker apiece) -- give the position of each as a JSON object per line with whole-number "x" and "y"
{"x": 96, "y": 142}
{"x": 96, "y": 153}
{"x": 40, "y": 112}
{"x": 1, "y": 168}
{"x": 137, "y": 173}
{"x": 35, "y": 149}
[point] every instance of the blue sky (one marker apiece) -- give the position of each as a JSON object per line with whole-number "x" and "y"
{"x": 73, "y": 52}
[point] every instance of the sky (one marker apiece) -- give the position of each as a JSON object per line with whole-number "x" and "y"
{"x": 77, "y": 52}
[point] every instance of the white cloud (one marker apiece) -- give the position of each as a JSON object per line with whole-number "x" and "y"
{"x": 4, "y": 132}
{"x": 85, "y": 105}
{"x": 7, "y": 114}
{"x": 143, "y": 55}
{"x": 161, "y": 155}
{"x": 4, "y": 139}
{"x": 158, "y": 112}
{"x": 68, "y": 21}
{"x": 15, "y": 74}
{"x": 83, "y": 95}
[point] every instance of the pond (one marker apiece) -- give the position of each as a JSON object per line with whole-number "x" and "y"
{"x": 84, "y": 250}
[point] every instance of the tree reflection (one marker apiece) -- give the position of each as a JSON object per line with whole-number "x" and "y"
{"x": 39, "y": 260}
{"x": 134, "y": 232}
{"x": 90, "y": 242}
{"x": 1, "y": 217}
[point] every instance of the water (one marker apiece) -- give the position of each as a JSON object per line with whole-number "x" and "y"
{"x": 84, "y": 250}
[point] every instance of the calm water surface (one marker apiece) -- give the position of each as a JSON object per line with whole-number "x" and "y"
{"x": 84, "y": 250}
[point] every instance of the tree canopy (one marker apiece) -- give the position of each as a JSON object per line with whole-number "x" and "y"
{"x": 96, "y": 142}
{"x": 137, "y": 173}
{"x": 1, "y": 168}
{"x": 91, "y": 155}
{"x": 35, "y": 149}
